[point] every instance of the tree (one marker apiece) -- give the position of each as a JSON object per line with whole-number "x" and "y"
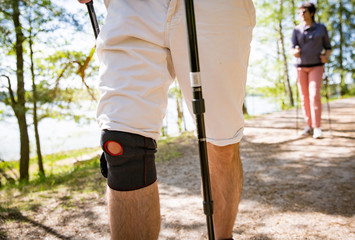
{"x": 49, "y": 97}
{"x": 31, "y": 18}
{"x": 342, "y": 25}
{"x": 176, "y": 92}
{"x": 274, "y": 23}
{"x": 35, "y": 97}
{"x": 286, "y": 78}
{"x": 10, "y": 11}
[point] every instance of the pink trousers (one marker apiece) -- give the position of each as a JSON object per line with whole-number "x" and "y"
{"x": 309, "y": 85}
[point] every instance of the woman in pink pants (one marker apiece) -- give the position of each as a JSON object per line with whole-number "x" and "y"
{"x": 311, "y": 47}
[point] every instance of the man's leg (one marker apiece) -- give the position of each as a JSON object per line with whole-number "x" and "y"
{"x": 226, "y": 182}
{"x": 134, "y": 214}
{"x": 224, "y": 31}
{"x": 134, "y": 82}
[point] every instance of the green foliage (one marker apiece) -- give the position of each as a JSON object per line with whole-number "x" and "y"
{"x": 170, "y": 148}
{"x": 176, "y": 93}
{"x": 338, "y": 17}
{"x": 57, "y": 171}
{"x": 45, "y": 16}
{"x": 28, "y": 29}
{"x": 61, "y": 171}
{"x": 351, "y": 89}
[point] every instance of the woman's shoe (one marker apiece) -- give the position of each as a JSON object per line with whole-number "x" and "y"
{"x": 308, "y": 131}
{"x": 317, "y": 133}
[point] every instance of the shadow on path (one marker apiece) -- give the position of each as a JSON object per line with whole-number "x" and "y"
{"x": 296, "y": 184}
{"x": 283, "y": 170}
{"x": 16, "y": 215}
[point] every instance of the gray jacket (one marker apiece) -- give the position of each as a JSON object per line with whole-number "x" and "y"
{"x": 311, "y": 40}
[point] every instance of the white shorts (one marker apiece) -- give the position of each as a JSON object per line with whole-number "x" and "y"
{"x": 143, "y": 46}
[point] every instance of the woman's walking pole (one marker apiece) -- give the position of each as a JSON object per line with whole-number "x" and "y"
{"x": 297, "y": 100}
{"x": 199, "y": 109}
{"x": 326, "y": 84}
{"x": 93, "y": 18}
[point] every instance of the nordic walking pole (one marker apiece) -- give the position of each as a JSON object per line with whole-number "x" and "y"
{"x": 199, "y": 109}
{"x": 327, "y": 98}
{"x": 326, "y": 93}
{"x": 297, "y": 109}
{"x": 297, "y": 99}
{"x": 93, "y": 18}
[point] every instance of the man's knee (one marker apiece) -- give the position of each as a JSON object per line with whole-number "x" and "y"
{"x": 113, "y": 148}
{"x": 128, "y": 160}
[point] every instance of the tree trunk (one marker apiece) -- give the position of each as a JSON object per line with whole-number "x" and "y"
{"x": 343, "y": 86}
{"x": 293, "y": 10}
{"x": 283, "y": 52}
{"x": 35, "y": 118}
{"x": 181, "y": 120}
{"x": 20, "y": 109}
{"x": 280, "y": 77}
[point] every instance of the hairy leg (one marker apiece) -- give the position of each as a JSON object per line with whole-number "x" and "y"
{"x": 134, "y": 214}
{"x": 226, "y": 183}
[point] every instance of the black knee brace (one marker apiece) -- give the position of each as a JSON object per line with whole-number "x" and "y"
{"x": 134, "y": 167}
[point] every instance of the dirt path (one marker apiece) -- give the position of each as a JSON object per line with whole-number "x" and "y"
{"x": 294, "y": 188}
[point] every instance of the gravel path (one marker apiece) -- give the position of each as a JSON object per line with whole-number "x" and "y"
{"x": 294, "y": 188}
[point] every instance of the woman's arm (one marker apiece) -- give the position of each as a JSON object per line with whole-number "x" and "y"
{"x": 327, "y": 46}
{"x": 296, "y": 51}
{"x": 324, "y": 57}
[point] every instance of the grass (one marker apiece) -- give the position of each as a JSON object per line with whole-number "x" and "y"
{"x": 172, "y": 147}
{"x": 51, "y": 164}
{"x": 65, "y": 179}
{"x": 62, "y": 181}
{"x": 67, "y": 188}
{"x": 58, "y": 171}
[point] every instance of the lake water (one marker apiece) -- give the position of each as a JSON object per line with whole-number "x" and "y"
{"x": 59, "y": 136}
{"x": 257, "y": 105}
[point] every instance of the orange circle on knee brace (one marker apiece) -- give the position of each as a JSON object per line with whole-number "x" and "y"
{"x": 113, "y": 148}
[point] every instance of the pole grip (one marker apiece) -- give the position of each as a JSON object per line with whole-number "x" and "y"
{"x": 93, "y": 19}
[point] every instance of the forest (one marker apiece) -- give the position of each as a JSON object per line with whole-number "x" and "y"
{"x": 45, "y": 71}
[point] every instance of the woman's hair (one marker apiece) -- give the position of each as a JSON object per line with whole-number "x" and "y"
{"x": 310, "y": 7}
